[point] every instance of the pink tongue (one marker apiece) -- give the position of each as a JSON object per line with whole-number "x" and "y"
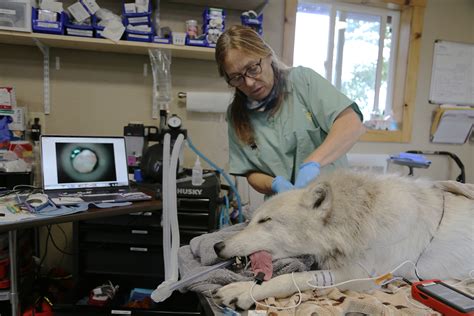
{"x": 261, "y": 261}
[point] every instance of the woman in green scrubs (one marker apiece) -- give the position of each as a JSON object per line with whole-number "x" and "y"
{"x": 286, "y": 125}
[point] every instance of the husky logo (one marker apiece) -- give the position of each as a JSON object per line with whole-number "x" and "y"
{"x": 189, "y": 191}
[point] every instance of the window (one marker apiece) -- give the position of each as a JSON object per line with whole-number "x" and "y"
{"x": 369, "y": 52}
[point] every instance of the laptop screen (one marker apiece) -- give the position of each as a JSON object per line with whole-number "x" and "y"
{"x": 75, "y": 162}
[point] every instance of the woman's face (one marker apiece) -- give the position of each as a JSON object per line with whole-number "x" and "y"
{"x": 238, "y": 62}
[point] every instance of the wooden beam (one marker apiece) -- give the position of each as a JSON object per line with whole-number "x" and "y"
{"x": 289, "y": 31}
{"x": 412, "y": 71}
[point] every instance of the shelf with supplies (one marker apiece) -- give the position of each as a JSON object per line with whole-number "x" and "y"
{"x": 243, "y": 5}
{"x": 103, "y": 45}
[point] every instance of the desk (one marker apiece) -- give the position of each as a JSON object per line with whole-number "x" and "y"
{"x": 11, "y": 228}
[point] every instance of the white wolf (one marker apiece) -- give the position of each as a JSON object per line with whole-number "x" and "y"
{"x": 356, "y": 223}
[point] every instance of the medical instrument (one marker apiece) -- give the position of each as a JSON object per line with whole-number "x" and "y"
{"x": 165, "y": 289}
{"x": 461, "y": 177}
{"x": 443, "y": 298}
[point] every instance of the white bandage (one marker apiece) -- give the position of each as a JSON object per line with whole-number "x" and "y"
{"x": 323, "y": 278}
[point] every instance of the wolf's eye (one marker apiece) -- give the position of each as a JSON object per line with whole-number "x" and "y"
{"x": 263, "y": 220}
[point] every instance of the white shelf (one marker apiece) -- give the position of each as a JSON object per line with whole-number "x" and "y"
{"x": 103, "y": 45}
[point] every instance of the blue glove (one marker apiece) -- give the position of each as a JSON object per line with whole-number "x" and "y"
{"x": 307, "y": 173}
{"x": 280, "y": 184}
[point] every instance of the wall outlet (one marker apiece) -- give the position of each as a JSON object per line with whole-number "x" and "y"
{"x": 42, "y": 120}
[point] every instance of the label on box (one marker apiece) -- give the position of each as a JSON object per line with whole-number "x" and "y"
{"x": 78, "y": 11}
{"x": 138, "y": 36}
{"x": 91, "y": 6}
{"x": 130, "y": 8}
{"x": 142, "y": 19}
{"x": 49, "y": 25}
{"x": 7, "y": 98}
{"x": 6, "y": 11}
{"x": 80, "y": 32}
{"x": 18, "y": 123}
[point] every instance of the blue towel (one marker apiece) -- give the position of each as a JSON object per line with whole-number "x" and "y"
{"x": 415, "y": 158}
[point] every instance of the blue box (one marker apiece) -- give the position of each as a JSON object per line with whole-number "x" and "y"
{"x": 196, "y": 42}
{"x": 97, "y": 28}
{"x": 138, "y": 36}
{"x": 137, "y": 18}
{"x": 79, "y": 30}
{"x": 48, "y": 27}
{"x": 256, "y": 23}
{"x": 207, "y": 14}
{"x": 162, "y": 40}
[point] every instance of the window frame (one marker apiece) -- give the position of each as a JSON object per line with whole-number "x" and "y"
{"x": 408, "y": 51}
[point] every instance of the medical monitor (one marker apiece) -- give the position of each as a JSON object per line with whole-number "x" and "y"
{"x": 78, "y": 162}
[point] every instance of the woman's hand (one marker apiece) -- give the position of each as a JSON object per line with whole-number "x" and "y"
{"x": 280, "y": 184}
{"x": 308, "y": 171}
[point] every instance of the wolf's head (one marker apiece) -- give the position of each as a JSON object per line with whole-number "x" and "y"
{"x": 317, "y": 220}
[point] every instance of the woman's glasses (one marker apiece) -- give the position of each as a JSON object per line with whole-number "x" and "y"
{"x": 252, "y": 71}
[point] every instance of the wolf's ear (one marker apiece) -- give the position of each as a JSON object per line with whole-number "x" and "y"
{"x": 318, "y": 196}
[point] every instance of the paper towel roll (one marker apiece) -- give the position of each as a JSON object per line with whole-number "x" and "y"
{"x": 215, "y": 102}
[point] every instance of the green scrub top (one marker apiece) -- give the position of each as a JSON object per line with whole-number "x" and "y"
{"x": 283, "y": 141}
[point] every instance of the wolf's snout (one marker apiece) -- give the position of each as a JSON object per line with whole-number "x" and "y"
{"x": 219, "y": 247}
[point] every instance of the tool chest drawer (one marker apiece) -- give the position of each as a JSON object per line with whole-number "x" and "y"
{"x": 120, "y": 235}
{"x": 121, "y": 259}
{"x": 140, "y": 219}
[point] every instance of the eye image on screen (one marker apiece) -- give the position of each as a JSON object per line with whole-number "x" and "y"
{"x": 79, "y": 162}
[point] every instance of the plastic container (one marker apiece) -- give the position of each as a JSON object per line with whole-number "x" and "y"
{"x": 191, "y": 29}
{"x": 79, "y": 30}
{"x": 196, "y": 178}
{"x": 48, "y": 27}
{"x": 137, "y": 18}
{"x": 179, "y": 38}
{"x": 139, "y": 36}
{"x": 15, "y": 15}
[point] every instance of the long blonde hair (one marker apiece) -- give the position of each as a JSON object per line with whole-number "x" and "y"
{"x": 248, "y": 41}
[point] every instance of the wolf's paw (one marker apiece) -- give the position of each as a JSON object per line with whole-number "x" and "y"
{"x": 235, "y": 295}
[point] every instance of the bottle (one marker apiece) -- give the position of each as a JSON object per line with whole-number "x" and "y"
{"x": 197, "y": 173}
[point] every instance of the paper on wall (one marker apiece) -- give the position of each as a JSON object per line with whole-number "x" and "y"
{"x": 454, "y": 127}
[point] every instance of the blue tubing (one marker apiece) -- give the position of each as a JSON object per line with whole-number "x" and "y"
{"x": 225, "y": 175}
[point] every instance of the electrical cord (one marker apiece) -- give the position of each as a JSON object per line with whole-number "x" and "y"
{"x": 221, "y": 171}
{"x": 54, "y": 242}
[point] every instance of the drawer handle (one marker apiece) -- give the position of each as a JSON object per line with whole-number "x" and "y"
{"x": 142, "y": 214}
{"x": 141, "y": 249}
{"x": 139, "y": 232}
{"x": 120, "y": 312}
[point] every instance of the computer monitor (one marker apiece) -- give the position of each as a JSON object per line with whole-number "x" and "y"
{"x": 77, "y": 162}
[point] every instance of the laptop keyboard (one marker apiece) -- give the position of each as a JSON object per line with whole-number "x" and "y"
{"x": 100, "y": 197}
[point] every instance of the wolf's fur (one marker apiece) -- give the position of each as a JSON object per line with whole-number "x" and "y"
{"x": 353, "y": 222}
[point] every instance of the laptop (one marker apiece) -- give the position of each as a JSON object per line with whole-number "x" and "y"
{"x": 78, "y": 169}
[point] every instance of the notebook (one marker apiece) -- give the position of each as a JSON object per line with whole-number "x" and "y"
{"x": 78, "y": 169}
